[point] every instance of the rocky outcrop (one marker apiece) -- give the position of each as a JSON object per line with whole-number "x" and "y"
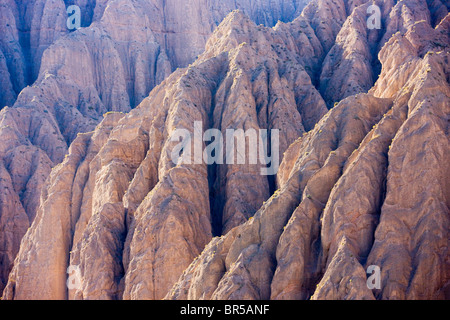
{"x": 30, "y": 27}
{"x": 350, "y": 191}
{"x": 129, "y": 202}
{"x": 124, "y": 50}
{"x": 350, "y": 66}
{"x": 352, "y": 194}
{"x": 27, "y": 29}
{"x": 284, "y": 234}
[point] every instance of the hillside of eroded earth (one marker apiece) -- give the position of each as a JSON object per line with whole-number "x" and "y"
{"x": 87, "y": 177}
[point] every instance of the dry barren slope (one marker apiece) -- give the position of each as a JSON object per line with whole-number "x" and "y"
{"x": 351, "y": 191}
{"x": 124, "y": 50}
{"x": 368, "y": 186}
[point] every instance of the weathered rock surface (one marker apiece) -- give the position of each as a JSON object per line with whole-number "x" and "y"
{"x": 352, "y": 194}
{"x": 132, "y": 206}
{"x": 363, "y": 184}
{"x": 124, "y": 50}
{"x": 29, "y": 27}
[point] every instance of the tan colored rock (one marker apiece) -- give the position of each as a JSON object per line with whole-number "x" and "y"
{"x": 12, "y": 226}
{"x": 44, "y": 246}
{"x": 362, "y": 199}
{"x": 351, "y": 188}
{"x": 250, "y": 259}
{"x": 345, "y": 278}
{"x": 132, "y": 207}
{"x": 348, "y": 67}
{"x": 124, "y": 50}
{"x": 423, "y": 244}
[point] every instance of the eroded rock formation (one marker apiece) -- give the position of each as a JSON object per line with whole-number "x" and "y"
{"x": 124, "y": 50}
{"x": 365, "y": 183}
{"x": 368, "y": 186}
{"x": 124, "y": 182}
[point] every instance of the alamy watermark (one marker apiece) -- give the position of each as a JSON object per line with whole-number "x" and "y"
{"x": 374, "y": 21}
{"x": 74, "y": 278}
{"x": 190, "y": 149}
{"x": 74, "y": 19}
{"x": 374, "y": 281}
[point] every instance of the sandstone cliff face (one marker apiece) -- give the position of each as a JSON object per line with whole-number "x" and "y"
{"x": 29, "y": 27}
{"x": 124, "y": 50}
{"x": 363, "y": 184}
{"x": 131, "y": 205}
{"x": 352, "y": 194}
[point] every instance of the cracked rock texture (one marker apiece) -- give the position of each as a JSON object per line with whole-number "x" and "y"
{"x": 59, "y": 83}
{"x": 364, "y": 183}
{"x": 368, "y": 186}
{"x": 132, "y": 206}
